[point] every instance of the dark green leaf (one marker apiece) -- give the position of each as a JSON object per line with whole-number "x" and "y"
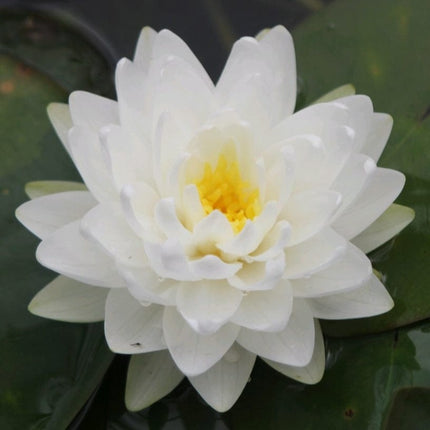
{"x": 410, "y": 410}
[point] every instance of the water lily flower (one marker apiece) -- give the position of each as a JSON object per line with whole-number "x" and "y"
{"x": 215, "y": 224}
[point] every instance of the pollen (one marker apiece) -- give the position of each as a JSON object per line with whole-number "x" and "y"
{"x": 222, "y": 188}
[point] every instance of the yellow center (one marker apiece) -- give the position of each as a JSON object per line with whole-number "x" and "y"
{"x": 223, "y": 189}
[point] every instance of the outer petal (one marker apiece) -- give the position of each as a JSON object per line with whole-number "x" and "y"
{"x": 194, "y": 353}
{"x": 91, "y": 163}
{"x": 350, "y": 270}
{"x": 143, "y": 52}
{"x": 92, "y": 111}
{"x": 381, "y": 125}
{"x": 293, "y": 346}
{"x": 279, "y": 47}
{"x": 150, "y": 377}
{"x": 59, "y": 114}
{"x": 147, "y": 287}
{"x": 184, "y": 94}
{"x": 313, "y": 254}
{"x": 138, "y": 202}
{"x": 222, "y": 384}
{"x": 126, "y": 155}
{"x": 353, "y": 177}
{"x": 309, "y": 212}
{"x": 67, "y": 252}
{"x": 37, "y": 189}
{"x": 64, "y": 299}
{"x": 47, "y": 214}
{"x": 369, "y": 299}
{"x": 265, "y": 310}
{"x": 391, "y": 222}
{"x": 311, "y": 373}
{"x": 168, "y": 44}
{"x": 273, "y": 58}
{"x": 131, "y": 328}
{"x": 375, "y": 197}
{"x": 206, "y": 306}
{"x": 106, "y": 226}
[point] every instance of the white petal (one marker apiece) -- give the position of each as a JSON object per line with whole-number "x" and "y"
{"x": 105, "y": 224}
{"x": 143, "y": 52}
{"x": 150, "y": 377}
{"x": 44, "y": 215}
{"x": 168, "y": 44}
{"x": 376, "y": 140}
{"x": 37, "y": 189}
{"x": 67, "y": 252}
{"x": 390, "y": 223}
{"x": 319, "y": 120}
{"x": 265, "y": 310}
{"x": 369, "y": 299}
{"x": 168, "y": 148}
{"x": 147, "y": 287}
{"x": 131, "y": 328}
{"x": 138, "y": 201}
{"x": 64, "y": 299}
{"x": 360, "y": 116}
{"x": 181, "y": 92}
{"x": 353, "y": 177}
{"x": 313, "y": 254}
{"x": 347, "y": 272}
{"x": 312, "y": 372}
{"x": 168, "y": 259}
{"x": 273, "y": 58}
{"x": 279, "y": 47}
{"x": 249, "y": 99}
{"x": 194, "y": 353}
{"x": 212, "y": 230}
{"x": 206, "y": 306}
{"x": 91, "y": 163}
{"x": 309, "y": 212}
{"x": 135, "y": 96}
{"x": 280, "y": 175}
{"x": 293, "y": 346}
{"x": 92, "y": 111}
{"x": 192, "y": 209}
{"x": 342, "y": 91}
{"x": 252, "y": 234}
{"x": 222, "y": 384}
{"x": 245, "y": 59}
{"x": 212, "y": 267}
{"x": 259, "y": 275}
{"x": 375, "y": 197}
{"x": 59, "y": 115}
{"x": 169, "y": 223}
{"x": 273, "y": 243}
{"x": 125, "y": 155}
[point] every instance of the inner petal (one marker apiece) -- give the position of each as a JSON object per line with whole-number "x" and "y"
{"x": 223, "y": 188}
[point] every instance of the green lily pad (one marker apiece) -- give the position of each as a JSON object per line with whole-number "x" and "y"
{"x": 383, "y": 52}
{"x": 411, "y": 405}
{"x": 362, "y": 378}
{"x": 48, "y": 369}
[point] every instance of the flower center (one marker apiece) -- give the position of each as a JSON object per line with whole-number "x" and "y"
{"x": 224, "y": 189}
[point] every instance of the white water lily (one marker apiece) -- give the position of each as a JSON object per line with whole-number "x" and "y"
{"x": 216, "y": 224}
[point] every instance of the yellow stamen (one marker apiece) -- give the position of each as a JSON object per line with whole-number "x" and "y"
{"x": 223, "y": 189}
